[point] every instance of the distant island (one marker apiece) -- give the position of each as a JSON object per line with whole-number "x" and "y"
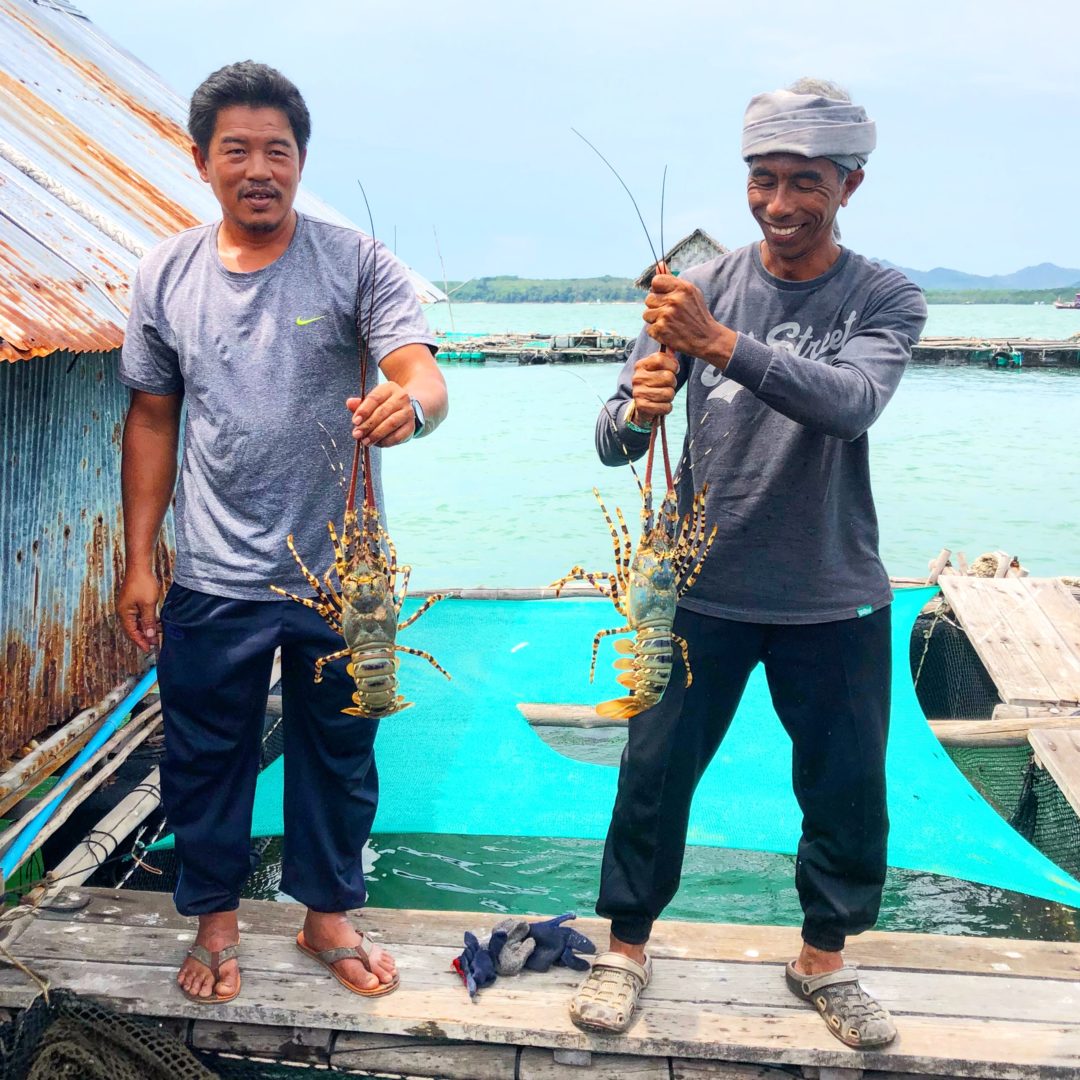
{"x": 514, "y": 290}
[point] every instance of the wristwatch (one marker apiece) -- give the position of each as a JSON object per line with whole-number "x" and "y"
{"x": 418, "y": 417}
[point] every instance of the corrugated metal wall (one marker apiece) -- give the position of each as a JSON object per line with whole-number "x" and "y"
{"x": 61, "y": 541}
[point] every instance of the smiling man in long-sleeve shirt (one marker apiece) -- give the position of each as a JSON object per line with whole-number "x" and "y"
{"x": 788, "y": 350}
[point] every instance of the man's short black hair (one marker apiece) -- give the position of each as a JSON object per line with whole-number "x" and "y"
{"x": 246, "y": 83}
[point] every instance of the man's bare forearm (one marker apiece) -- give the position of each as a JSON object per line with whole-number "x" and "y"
{"x": 147, "y": 475}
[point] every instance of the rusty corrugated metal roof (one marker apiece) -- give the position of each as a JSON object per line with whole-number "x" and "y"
{"x": 95, "y": 167}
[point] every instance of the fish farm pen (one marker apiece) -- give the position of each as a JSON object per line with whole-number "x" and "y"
{"x": 591, "y": 347}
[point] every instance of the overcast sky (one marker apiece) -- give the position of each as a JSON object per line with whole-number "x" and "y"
{"x": 457, "y": 116}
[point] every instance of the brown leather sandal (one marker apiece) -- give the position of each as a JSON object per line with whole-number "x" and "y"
{"x": 213, "y": 961}
{"x": 329, "y": 957}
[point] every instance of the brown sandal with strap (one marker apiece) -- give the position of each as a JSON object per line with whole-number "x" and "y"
{"x": 329, "y": 957}
{"x": 213, "y": 961}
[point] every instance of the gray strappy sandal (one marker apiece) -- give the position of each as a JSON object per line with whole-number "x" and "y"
{"x": 608, "y": 996}
{"x": 213, "y": 961}
{"x": 850, "y": 1013}
{"x": 329, "y": 957}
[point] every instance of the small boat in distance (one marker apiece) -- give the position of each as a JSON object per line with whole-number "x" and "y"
{"x": 1068, "y": 303}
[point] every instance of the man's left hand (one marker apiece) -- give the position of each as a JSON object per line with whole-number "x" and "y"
{"x": 676, "y": 316}
{"x": 384, "y": 417}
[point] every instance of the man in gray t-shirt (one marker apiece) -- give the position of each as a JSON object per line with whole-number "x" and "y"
{"x": 248, "y": 328}
{"x": 788, "y": 350}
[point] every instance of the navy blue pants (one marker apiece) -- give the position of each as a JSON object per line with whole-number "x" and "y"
{"x": 214, "y": 673}
{"x": 830, "y": 686}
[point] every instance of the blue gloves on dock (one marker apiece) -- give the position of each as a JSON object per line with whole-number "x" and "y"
{"x": 515, "y": 944}
{"x": 558, "y": 944}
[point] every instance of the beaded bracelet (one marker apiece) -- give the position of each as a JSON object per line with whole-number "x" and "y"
{"x": 628, "y": 420}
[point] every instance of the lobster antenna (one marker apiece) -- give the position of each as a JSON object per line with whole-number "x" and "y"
{"x": 663, "y": 189}
{"x": 614, "y": 428}
{"x": 371, "y": 304}
{"x": 364, "y": 336}
{"x": 445, "y": 283}
{"x": 624, "y": 187}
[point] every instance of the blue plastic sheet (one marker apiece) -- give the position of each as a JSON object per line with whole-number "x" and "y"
{"x": 464, "y": 760}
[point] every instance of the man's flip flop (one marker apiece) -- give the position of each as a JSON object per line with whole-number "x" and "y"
{"x": 608, "y": 996}
{"x": 213, "y": 961}
{"x": 850, "y": 1013}
{"x": 329, "y": 957}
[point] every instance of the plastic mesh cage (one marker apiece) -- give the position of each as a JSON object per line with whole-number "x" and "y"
{"x": 951, "y": 682}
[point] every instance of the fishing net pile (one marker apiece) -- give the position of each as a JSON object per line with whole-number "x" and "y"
{"x": 69, "y": 1037}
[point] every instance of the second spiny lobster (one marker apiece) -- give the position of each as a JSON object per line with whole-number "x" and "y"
{"x": 646, "y": 585}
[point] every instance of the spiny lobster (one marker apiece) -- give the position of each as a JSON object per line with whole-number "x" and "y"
{"x": 366, "y": 610}
{"x": 646, "y": 585}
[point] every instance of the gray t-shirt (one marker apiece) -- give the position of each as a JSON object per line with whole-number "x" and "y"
{"x": 781, "y": 435}
{"x": 265, "y": 361}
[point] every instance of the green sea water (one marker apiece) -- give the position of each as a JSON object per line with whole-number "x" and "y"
{"x": 971, "y": 459}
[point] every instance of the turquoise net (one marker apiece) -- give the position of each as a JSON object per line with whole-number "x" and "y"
{"x": 464, "y": 760}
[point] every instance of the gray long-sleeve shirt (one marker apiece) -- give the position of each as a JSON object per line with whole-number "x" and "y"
{"x": 781, "y": 435}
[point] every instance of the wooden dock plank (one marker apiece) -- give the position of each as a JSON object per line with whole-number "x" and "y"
{"x": 1059, "y": 753}
{"x": 1059, "y": 605}
{"x": 1013, "y": 625}
{"x": 671, "y": 938}
{"x": 1005, "y": 1009}
{"x": 1001, "y": 730}
{"x": 995, "y": 733}
{"x": 951, "y": 1046}
{"x": 425, "y": 967}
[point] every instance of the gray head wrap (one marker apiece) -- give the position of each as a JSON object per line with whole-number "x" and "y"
{"x": 811, "y": 125}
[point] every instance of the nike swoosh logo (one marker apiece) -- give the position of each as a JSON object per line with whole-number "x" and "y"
{"x": 306, "y": 322}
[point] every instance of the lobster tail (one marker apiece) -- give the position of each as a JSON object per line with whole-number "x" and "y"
{"x": 620, "y": 708}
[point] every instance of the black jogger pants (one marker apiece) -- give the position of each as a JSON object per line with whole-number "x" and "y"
{"x": 830, "y": 687}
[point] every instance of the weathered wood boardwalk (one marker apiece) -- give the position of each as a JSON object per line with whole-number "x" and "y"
{"x": 1026, "y": 632}
{"x": 717, "y": 1008}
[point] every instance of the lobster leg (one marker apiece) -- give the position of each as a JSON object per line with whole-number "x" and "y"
{"x": 622, "y": 543}
{"x": 579, "y": 573}
{"x": 433, "y": 599}
{"x": 427, "y": 656}
{"x": 312, "y": 580}
{"x": 596, "y": 644}
{"x": 399, "y": 595}
{"x": 334, "y": 595}
{"x": 681, "y": 642}
{"x": 324, "y": 660}
{"x": 327, "y": 611}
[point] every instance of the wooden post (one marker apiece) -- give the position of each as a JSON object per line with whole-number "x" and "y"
{"x": 938, "y": 565}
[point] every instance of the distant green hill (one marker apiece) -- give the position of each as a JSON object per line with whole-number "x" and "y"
{"x": 1000, "y": 296}
{"x": 515, "y": 290}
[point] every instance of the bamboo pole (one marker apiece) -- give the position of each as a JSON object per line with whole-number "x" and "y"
{"x": 75, "y": 800}
{"x": 138, "y": 725}
{"x": 62, "y": 745}
{"x": 121, "y": 821}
